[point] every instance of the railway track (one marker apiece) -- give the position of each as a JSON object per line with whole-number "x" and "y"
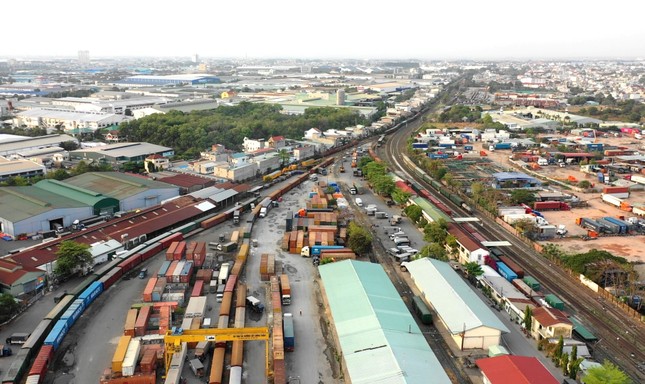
{"x": 621, "y": 338}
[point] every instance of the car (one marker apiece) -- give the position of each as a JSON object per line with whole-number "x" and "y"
{"x": 394, "y": 251}
{"x": 410, "y": 250}
{"x": 397, "y": 234}
{"x": 390, "y": 203}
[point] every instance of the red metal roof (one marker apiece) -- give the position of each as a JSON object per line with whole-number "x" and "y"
{"x": 187, "y": 181}
{"x": 550, "y": 316}
{"x": 405, "y": 188}
{"x": 10, "y": 272}
{"x": 576, "y": 154}
{"x": 464, "y": 238}
{"x": 151, "y": 223}
{"x": 515, "y": 369}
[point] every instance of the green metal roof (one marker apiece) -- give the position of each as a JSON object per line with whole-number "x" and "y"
{"x": 379, "y": 338}
{"x": 434, "y": 212}
{"x": 95, "y": 199}
{"x": 114, "y": 184}
{"x": 21, "y": 203}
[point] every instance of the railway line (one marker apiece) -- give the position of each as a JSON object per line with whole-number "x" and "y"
{"x": 621, "y": 339}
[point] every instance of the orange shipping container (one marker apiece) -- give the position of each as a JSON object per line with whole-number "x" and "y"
{"x": 237, "y": 354}
{"x": 119, "y": 354}
{"x": 217, "y": 366}
{"x": 240, "y": 298}
{"x": 130, "y": 322}
{"x": 190, "y": 249}
{"x": 171, "y": 250}
{"x": 147, "y": 292}
{"x": 142, "y": 321}
{"x": 139, "y": 378}
{"x": 149, "y": 361}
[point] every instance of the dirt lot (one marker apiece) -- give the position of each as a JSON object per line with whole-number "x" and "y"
{"x": 629, "y": 247}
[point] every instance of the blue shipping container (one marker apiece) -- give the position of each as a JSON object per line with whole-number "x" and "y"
{"x": 73, "y": 312}
{"x": 595, "y": 147}
{"x": 91, "y": 292}
{"x": 164, "y": 268}
{"x": 289, "y": 337}
{"x": 57, "y": 334}
{"x": 503, "y": 146}
{"x": 438, "y": 156}
{"x": 446, "y": 145}
{"x": 420, "y": 145}
{"x": 506, "y": 272}
{"x": 624, "y": 228}
{"x": 187, "y": 267}
{"x": 468, "y": 147}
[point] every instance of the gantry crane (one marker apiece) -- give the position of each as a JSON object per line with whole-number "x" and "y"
{"x": 174, "y": 338}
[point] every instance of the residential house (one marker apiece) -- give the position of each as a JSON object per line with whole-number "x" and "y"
{"x": 304, "y": 152}
{"x": 277, "y": 142}
{"x": 550, "y": 323}
{"x": 252, "y": 145}
{"x": 156, "y": 163}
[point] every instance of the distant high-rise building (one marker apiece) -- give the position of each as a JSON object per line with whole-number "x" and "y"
{"x": 195, "y": 58}
{"x": 84, "y": 57}
{"x": 340, "y": 97}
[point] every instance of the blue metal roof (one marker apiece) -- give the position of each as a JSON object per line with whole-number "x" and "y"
{"x": 503, "y": 176}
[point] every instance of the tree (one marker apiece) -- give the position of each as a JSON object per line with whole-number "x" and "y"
{"x": 8, "y": 307}
{"x": 584, "y": 184}
{"x": 71, "y": 256}
{"x": 284, "y": 156}
{"x": 383, "y": 184}
{"x": 434, "y": 251}
{"x": 522, "y": 196}
{"x": 528, "y": 319}
{"x": 414, "y": 212}
{"x": 473, "y": 269}
{"x": 607, "y": 373}
{"x": 360, "y": 240}
{"x": 69, "y": 145}
{"x": 436, "y": 232}
{"x": 564, "y": 363}
{"x": 399, "y": 196}
{"x": 557, "y": 353}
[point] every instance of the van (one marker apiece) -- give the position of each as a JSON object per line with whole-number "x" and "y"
{"x": 359, "y": 202}
{"x": 18, "y": 338}
{"x": 220, "y": 293}
{"x": 381, "y": 215}
{"x": 143, "y": 273}
{"x": 542, "y": 161}
{"x": 401, "y": 241}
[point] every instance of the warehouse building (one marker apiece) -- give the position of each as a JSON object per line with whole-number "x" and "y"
{"x": 66, "y": 119}
{"x": 379, "y": 339}
{"x": 154, "y": 80}
{"x": 131, "y": 192}
{"x": 119, "y": 153}
{"x": 19, "y": 167}
{"x": 19, "y": 144}
{"x": 471, "y": 323}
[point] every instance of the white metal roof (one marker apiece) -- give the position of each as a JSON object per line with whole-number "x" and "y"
{"x": 457, "y": 304}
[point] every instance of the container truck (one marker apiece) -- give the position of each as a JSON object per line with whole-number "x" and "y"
{"x": 585, "y": 222}
{"x": 381, "y": 215}
{"x": 285, "y": 289}
{"x": 624, "y": 227}
{"x": 236, "y": 217}
{"x": 255, "y": 304}
{"x": 289, "y": 335}
{"x": 223, "y": 274}
{"x": 611, "y": 199}
{"x": 316, "y": 249}
{"x": 611, "y": 227}
{"x": 551, "y": 206}
{"x": 227, "y": 247}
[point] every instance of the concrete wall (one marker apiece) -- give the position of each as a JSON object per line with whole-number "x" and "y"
{"x": 41, "y": 222}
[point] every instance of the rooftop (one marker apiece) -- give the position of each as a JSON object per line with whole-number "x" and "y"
{"x": 21, "y": 203}
{"x": 115, "y": 184}
{"x": 379, "y": 338}
{"x": 550, "y": 316}
{"x": 459, "y": 307}
{"x": 515, "y": 369}
{"x": 126, "y": 150}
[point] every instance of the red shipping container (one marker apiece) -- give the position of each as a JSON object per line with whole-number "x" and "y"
{"x": 190, "y": 249}
{"x": 200, "y": 250}
{"x": 197, "y": 289}
{"x": 171, "y": 250}
{"x": 39, "y": 367}
{"x": 170, "y": 239}
{"x": 610, "y": 190}
{"x": 147, "y": 292}
{"x": 180, "y": 251}
{"x": 142, "y": 321}
{"x": 149, "y": 361}
{"x": 171, "y": 270}
{"x": 151, "y": 251}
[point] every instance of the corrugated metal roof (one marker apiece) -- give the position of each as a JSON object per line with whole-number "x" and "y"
{"x": 114, "y": 184}
{"x": 186, "y": 180}
{"x": 431, "y": 210}
{"x": 21, "y": 203}
{"x": 221, "y": 196}
{"x": 456, "y": 303}
{"x": 63, "y": 188}
{"x": 379, "y": 338}
{"x": 515, "y": 369}
{"x": 205, "y": 193}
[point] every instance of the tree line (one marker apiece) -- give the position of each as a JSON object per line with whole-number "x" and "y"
{"x": 190, "y": 133}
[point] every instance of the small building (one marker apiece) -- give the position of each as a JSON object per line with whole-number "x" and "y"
{"x": 549, "y": 323}
{"x": 18, "y": 280}
{"x": 241, "y": 172}
{"x": 514, "y": 180}
{"x": 252, "y": 145}
{"x": 19, "y": 167}
{"x": 277, "y": 142}
{"x": 267, "y": 162}
{"x": 120, "y": 153}
{"x": 304, "y": 152}
{"x": 507, "y": 369}
{"x": 156, "y": 163}
{"x": 204, "y": 167}
{"x": 104, "y": 250}
{"x": 468, "y": 249}
{"x": 470, "y": 322}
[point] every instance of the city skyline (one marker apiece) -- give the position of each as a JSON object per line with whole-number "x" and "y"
{"x": 339, "y": 30}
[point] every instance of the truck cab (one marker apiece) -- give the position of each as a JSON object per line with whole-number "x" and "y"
{"x": 255, "y": 304}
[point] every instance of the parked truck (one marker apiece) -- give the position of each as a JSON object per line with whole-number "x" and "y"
{"x": 255, "y": 304}
{"x": 285, "y": 289}
{"x": 585, "y": 222}
{"x": 551, "y": 206}
{"x": 611, "y": 199}
{"x": 316, "y": 249}
{"x": 622, "y": 225}
{"x": 289, "y": 334}
{"x": 381, "y": 215}
{"x": 223, "y": 274}
{"x": 266, "y": 204}
{"x": 236, "y": 217}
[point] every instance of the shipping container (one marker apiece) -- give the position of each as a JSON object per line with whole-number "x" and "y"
{"x": 289, "y": 335}
{"x": 119, "y": 354}
{"x": 142, "y": 320}
{"x": 554, "y": 301}
{"x": 91, "y": 292}
{"x": 147, "y": 292}
{"x": 422, "y": 310}
{"x": 111, "y": 277}
{"x": 130, "y": 322}
{"x": 197, "y": 288}
{"x": 531, "y": 282}
{"x": 131, "y": 357}
{"x": 164, "y": 268}
{"x": 512, "y": 265}
{"x": 506, "y": 272}
{"x": 41, "y": 362}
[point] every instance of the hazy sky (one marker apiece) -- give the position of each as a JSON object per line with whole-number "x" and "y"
{"x": 424, "y": 29}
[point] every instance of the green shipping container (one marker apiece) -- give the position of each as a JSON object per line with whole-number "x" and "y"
{"x": 554, "y": 301}
{"x": 422, "y": 310}
{"x": 531, "y": 282}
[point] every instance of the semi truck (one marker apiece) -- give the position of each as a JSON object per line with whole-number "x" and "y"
{"x": 289, "y": 335}
{"x": 285, "y": 289}
{"x": 223, "y": 274}
{"x": 266, "y": 204}
{"x": 236, "y": 217}
{"x": 255, "y": 304}
{"x": 316, "y": 249}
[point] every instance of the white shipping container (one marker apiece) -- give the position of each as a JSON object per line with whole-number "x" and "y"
{"x": 503, "y": 211}
{"x": 236, "y": 375}
{"x": 33, "y": 379}
{"x": 511, "y": 219}
{"x": 611, "y": 199}
{"x": 177, "y": 272}
{"x": 620, "y": 195}
{"x": 196, "y": 307}
{"x": 173, "y": 376}
{"x": 186, "y": 322}
{"x": 640, "y": 211}
{"x": 131, "y": 357}
{"x": 638, "y": 179}
{"x": 177, "y": 296}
